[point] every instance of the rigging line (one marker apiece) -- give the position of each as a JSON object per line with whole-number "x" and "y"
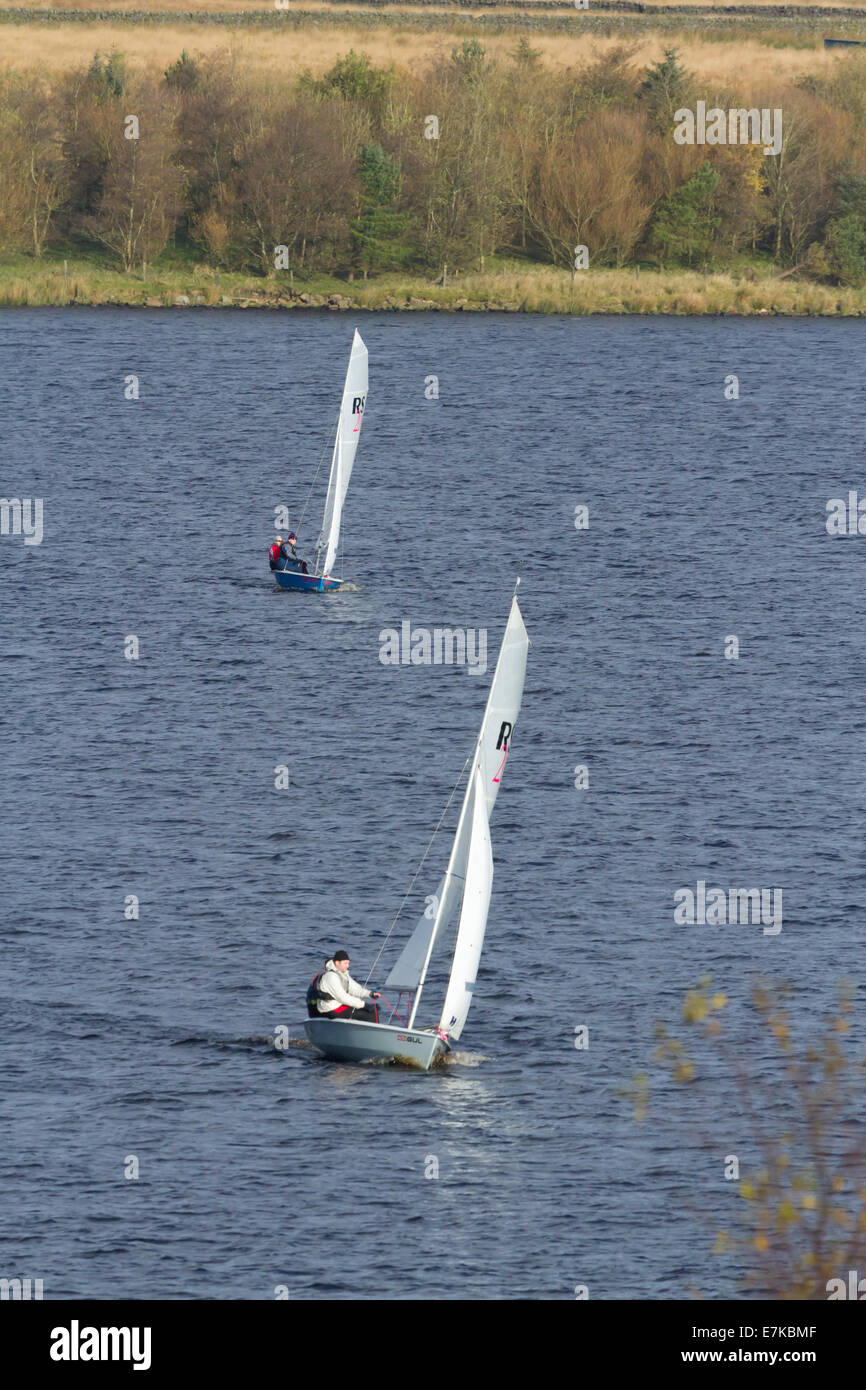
{"x": 322, "y": 456}
{"x": 417, "y": 872}
{"x": 310, "y": 492}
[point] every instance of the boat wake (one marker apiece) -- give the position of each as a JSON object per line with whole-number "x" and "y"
{"x": 464, "y": 1059}
{"x": 450, "y": 1059}
{"x": 265, "y": 1043}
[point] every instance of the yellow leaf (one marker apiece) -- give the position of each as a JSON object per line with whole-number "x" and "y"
{"x": 695, "y": 1007}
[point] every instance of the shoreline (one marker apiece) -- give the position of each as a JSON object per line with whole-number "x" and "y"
{"x": 530, "y": 290}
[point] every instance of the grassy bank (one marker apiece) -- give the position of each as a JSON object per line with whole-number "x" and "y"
{"x": 542, "y": 290}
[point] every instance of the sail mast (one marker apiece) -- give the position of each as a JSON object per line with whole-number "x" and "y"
{"x": 335, "y": 500}
{"x": 320, "y": 544}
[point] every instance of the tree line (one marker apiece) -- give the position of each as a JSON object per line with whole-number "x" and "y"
{"x": 370, "y": 169}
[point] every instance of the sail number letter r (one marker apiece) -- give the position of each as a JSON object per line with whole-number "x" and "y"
{"x": 502, "y": 742}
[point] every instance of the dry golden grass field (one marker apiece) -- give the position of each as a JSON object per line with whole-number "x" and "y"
{"x": 789, "y": 48}
{"x": 266, "y": 6}
{"x": 60, "y": 46}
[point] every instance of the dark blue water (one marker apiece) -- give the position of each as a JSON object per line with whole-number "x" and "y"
{"x": 260, "y": 1168}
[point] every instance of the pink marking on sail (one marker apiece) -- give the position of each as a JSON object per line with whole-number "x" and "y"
{"x": 501, "y": 765}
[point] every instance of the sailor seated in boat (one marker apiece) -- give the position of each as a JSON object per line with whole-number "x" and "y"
{"x": 291, "y": 559}
{"x": 274, "y": 553}
{"x": 341, "y": 997}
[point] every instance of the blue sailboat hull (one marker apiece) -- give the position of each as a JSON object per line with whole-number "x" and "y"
{"x": 292, "y": 579}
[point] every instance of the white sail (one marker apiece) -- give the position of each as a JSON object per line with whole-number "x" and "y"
{"x": 473, "y": 917}
{"x": 406, "y": 970}
{"x": 410, "y": 967}
{"x": 345, "y": 447}
{"x": 503, "y": 703}
{"x": 488, "y": 764}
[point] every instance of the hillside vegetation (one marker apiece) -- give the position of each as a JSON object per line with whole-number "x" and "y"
{"x": 474, "y": 165}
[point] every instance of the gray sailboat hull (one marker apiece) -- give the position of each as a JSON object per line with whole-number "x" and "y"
{"x": 367, "y": 1042}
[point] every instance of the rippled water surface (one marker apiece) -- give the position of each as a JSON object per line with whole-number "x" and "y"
{"x": 155, "y": 777}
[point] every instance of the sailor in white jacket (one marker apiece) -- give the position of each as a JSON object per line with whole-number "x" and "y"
{"x": 344, "y": 993}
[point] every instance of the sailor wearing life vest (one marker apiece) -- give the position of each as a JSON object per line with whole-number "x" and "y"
{"x": 289, "y": 552}
{"x": 274, "y": 553}
{"x": 338, "y": 996}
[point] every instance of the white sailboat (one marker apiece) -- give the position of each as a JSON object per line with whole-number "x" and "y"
{"x": 466, "y": 886}
{"x": 352, "y": 406}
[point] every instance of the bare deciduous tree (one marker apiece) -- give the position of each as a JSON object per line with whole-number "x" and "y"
{"x": 141, "y": 194}
{"x": 587, "y": 190}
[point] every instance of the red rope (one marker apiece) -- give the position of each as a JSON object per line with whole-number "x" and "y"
{"x": 394, "y": 1013}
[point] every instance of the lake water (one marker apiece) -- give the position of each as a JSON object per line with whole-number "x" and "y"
{"x": 154, "y": 777}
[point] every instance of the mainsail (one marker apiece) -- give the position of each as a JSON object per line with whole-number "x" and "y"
{"x": 485, "y": 778}
{"x": 345, "y": 446}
